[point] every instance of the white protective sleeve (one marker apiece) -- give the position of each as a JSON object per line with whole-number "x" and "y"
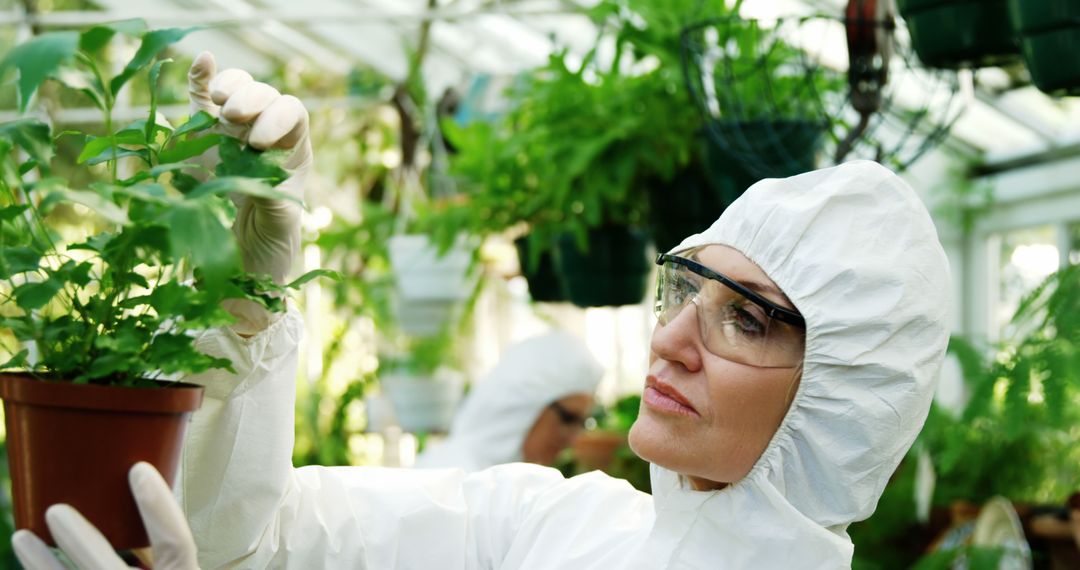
{"x": 249, "y": 508}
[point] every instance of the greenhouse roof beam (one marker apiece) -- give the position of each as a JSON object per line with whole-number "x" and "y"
{"x": 177, "y": 16}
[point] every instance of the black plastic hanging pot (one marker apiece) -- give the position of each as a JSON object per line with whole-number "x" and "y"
{"x": 613, "y": 271}
{"x": 1049, "y": 33}
{"x": 956, "y": 33}
{"x": 696, "y": 196}
{"x": 751, "y": 150}
{"x": 545, "y": 283}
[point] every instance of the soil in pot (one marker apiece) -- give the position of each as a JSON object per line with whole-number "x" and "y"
{"x": 74, "y": 444}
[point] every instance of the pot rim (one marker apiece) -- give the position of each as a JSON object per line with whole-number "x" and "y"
{"x": 170, "y": 398}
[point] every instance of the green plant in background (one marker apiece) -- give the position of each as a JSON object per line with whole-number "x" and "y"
{"x": 115, "y": 307}
{"x": 326, "y": 417}
{"x": 962, "y": 198}
{"x": 610, "y": 448}
{"x": 1015, "y": 437}
{"x": 583, "y": 142}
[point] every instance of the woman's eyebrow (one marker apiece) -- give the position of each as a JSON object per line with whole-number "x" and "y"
{"x": 768, "y": 289}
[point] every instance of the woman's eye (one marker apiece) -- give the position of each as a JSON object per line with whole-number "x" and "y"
{"x": 745, "y": 322}
{"x": 680, "y": 290}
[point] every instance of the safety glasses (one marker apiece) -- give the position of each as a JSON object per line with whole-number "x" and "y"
{"x": 568, "y": 418}
{"x": 736, "y": 323}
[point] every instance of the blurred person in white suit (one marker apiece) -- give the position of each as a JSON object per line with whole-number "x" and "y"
{"x": 530, "y": 407}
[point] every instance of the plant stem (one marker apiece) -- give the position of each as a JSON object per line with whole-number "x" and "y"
{"x": 109, "y": 102}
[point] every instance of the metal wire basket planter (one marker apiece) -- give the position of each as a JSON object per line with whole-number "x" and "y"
{"x": 789, "y": 95}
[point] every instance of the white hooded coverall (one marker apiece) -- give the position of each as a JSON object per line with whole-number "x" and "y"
{"x": 501, "y": 409}
{"x": 855, "y": 251}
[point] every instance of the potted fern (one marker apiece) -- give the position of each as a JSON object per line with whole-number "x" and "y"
{"x": 98, "y": 317}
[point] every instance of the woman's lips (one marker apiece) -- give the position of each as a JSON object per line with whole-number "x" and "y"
{"x": 663, "y": 397}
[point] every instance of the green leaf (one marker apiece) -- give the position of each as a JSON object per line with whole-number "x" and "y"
{"x": 82, "y": 81}
{"x": 160, "y": 169}
{"x": 186, "y": 149}
{"x": 11, "y": 212}
{"x": 15, "y": 260}
{"x": 17, "y": 361}
{"x": 97, "y": 37}
{"x": 196, "y": 233}
{"x": 118, "y": 153}
{"x": 94, "y": 243}
{"x": 200, "y": 121}
{"x": 96, "y": 146}
{"x": 30, "y": 135}
{"x": 238, "y": 160}
{"x": 93, "y": 200}
{"x": 32, "y": 296}
{"x": 71, "y": 272}
{"x": 153, "y": 43}
{"x": 151, "y": 123}
{"x": 238, "y": 185}
{"x": 22, "y": 327}
{"x": 315, "y": 273}
{"x": 37, "y": 59}
{"x": 161, "y": 125}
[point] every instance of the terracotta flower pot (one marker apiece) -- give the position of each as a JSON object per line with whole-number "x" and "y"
{"x": 596, "y": 449}
{"x": 74, "y": 444}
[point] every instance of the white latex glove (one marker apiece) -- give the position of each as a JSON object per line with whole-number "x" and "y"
{"x": 170, "y": 538}
{"x": 267, "y": 230}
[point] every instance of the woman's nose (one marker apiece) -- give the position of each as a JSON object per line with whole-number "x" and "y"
{"x": 680, "y": 339}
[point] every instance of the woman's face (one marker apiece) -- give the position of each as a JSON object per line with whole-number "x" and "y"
{"x": 555, "y": 428}
{"x": 704, "y": 416}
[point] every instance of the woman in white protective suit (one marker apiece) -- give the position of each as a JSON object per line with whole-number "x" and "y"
{"x": 528, "y": 408}
{"x": 793, "y": 363}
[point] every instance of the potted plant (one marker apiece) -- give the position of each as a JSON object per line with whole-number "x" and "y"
{"x": 763, "y": 98}
{"x": 432, "y": 287}
{"x": 606, "y": 448}
{"x": 951, "y": 33}
{"x": 577, "y": 156}
{"x": 1048, "y": 29}
{"x": 94, "y": 322}
{"x": 422, "y": 383}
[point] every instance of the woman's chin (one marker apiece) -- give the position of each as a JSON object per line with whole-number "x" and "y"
{"x": 653, "y": 443}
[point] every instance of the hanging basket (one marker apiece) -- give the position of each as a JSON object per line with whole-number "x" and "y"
{"x": 431, "y": 289}
{"x": 960, "y": 33}
{"x": 761, "y": 148}
{"x": 781, "y": 99}
{"x": 613, "y": 271}
{"x": 696, "y": 196}
{"x": 424, "y": 404}
{"x": 74, "y": 443}
{"x": 545, "y": 283}
{"x": 1049, "y": 33}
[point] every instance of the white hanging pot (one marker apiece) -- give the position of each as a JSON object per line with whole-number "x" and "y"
{"x": 424, "y": 403}
{"x": 431, "y": 290}
{"x": 423, "y": 275}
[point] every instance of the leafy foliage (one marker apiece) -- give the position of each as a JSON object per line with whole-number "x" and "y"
{"x": 583, "y": 142}
{"x": 1016, "y": 436}
{"x": 118, "y": 306}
